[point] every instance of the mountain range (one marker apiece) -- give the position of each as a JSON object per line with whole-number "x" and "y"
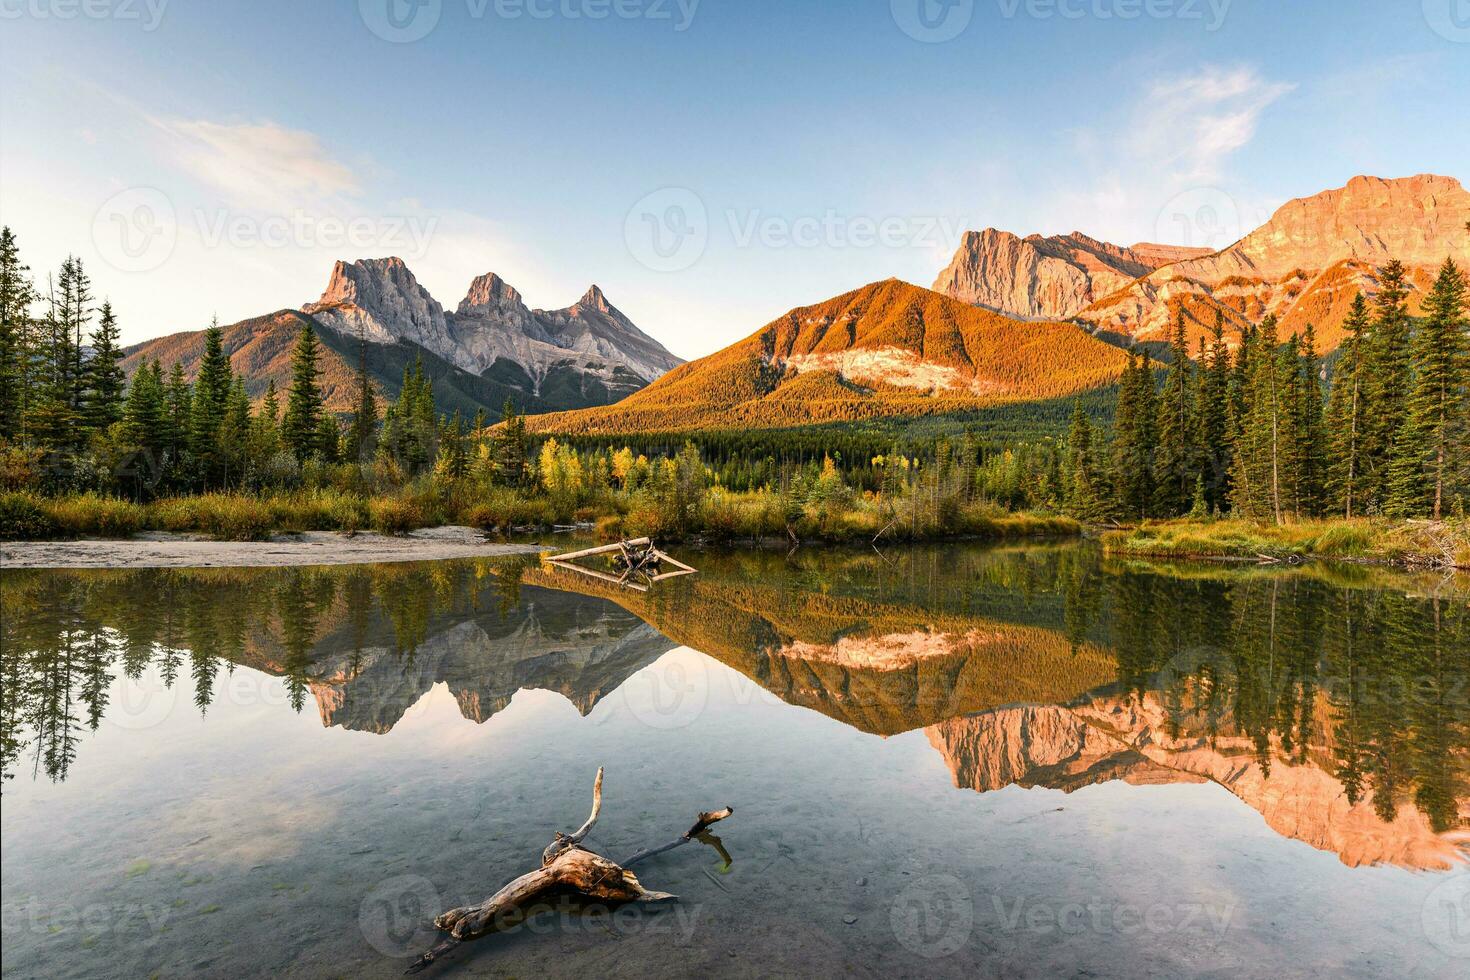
{"x": 889, "y": 349}
{"x": 1304, "y": 265}
{"x": 492, "y": 347}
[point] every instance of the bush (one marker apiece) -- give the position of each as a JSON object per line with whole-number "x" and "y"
{"x": 394, "y": 515}
{"x": 228, "y": 517}
{"x": 503, "y": 509}
{"x": 91, "y": 514}
{"x": 23, "y": 517}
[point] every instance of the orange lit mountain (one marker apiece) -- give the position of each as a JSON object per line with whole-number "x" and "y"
{"x": 887, "y": 350}
{"x": 1304, "y": 265}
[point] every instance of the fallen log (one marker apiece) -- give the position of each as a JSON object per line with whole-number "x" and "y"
{"x": 566, "y": 866}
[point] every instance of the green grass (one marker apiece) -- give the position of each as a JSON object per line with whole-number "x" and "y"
{"x": 1413, "y": 543}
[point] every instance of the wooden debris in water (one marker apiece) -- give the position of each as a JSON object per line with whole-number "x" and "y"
{"x": 565, "y": 866}
{"x": 638, "y": 557}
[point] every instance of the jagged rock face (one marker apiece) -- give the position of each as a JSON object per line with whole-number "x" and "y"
{"x": 381, "y": 300}
{"x": 1314, "y": 246}
{"x": 1044, "y": 278}
{"x": 1106, "y": 737}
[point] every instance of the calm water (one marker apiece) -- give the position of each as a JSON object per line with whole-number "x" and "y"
{"x": 944, "y": 762}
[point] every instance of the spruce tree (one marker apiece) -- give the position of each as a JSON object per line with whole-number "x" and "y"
{"x": 301, "y": 428}
{"x": 1388, "y": 378}
{"x": 1177, "y": 471}
{"x": 106, "y": 381}
{"x": 1347, "y": 405}
{"x": 329, "y": 439}
{"x": 1428, "y": 447}
{"x": 360, "y": 443}
{"x": 1135, "y": 438}
{"x": 1212, "y": 416}
{"x": 1084, "y": 496}
{"x": 1262, "y": 428}
{"x": 180, "y": 414}
{"x": 1310, "y": 437}
{"x": 211, "y": 398}
{"x": 17, "y": 294}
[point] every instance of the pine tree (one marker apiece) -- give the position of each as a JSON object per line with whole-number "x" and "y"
{"x": 211, "y": 398}
{"x": 17, "y": 294}
{"x": 234, "y": 433}
{"x": 1212, "y": 417}
{"x": 180, "y": 413}
{"x": 1428, "y": 447}
{"x": 508, "y": 452}
{"x": 1135, "y": 438}
{"x": 1310, "y": 438}
{"x": 106, "y": 381}
{"x": 1176, "y": 470}
{"x": 1084, "y": 494}
{"x": 360, "y": 444}
{"x": 1263, "y": 427}
{"x": 1387, "y": 375}
{"x": 301, "y": 428}
{"x": 265, "y": 427}
{"x": 329, "y": 439}
{"x": 145, "y": 414}
{"x": 1347, "y": 407}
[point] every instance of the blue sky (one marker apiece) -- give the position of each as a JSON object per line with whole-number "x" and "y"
{"x": 709, "y": 164}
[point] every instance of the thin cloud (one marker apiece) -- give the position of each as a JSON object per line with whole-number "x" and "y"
{"x": 259, "y": 165}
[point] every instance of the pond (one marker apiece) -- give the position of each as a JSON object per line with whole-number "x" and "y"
{"x": 946, "y": 761}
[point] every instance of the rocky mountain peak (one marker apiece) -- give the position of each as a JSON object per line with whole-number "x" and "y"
{"x": 490, "y": 293}
{"x": 594, "y": 299}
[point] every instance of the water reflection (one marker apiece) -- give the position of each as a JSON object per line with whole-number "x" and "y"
{"x": 1335, "y": 702}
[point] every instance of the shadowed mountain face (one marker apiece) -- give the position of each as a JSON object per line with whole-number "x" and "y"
{"x": 1332, "y": 702}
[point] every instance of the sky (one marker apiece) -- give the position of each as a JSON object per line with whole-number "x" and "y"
{"x": 709, "y": 163}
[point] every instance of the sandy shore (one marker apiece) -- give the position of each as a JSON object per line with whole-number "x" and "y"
{"x": 163, "y": 550}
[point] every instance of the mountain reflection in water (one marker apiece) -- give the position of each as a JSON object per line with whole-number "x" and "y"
{"x": 1336, "y": 702}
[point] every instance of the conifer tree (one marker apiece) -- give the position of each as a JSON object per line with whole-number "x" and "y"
{"x": 1212, "y": 416}
{"x": 265, "y": 427}
{"x": 508, "y": 450}
{"x": 360, "y": 443}
{"x": 180, "y": 414}
{"x": 233, "y": 433}
{"x": 106, "y": 382}
{"x": 210, "y": 400}
{"x": 1177, "y": 471}
{"x": 17, "y": 294}
{"x": 301, "y": 427}
{"x": 1387, "y": 376}
{"x": 1084, "y": 494}
{"x": 329, "y": 438}
{"x": 1310, "y": 436}
{"x": 1428, "y": 447}
{"x": 1347, "y": 406}
{"x": 1261, "y": 430}
{"x": 1135, "y": 438}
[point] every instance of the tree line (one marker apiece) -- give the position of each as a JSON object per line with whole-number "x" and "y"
{"x": 1256, "y": 433}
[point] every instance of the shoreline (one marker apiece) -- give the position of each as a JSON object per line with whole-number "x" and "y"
{"x": 166, "y": 550}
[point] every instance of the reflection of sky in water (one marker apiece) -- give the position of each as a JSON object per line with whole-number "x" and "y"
{"x": 255, "y": 839}
{"x": 246, "y": 843}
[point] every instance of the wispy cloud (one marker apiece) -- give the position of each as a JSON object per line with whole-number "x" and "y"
{"x": 259, "y": 164}
{"x": 1176, "y": 135}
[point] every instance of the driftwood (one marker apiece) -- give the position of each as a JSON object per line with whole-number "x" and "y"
{"x": 638, "y": 557}
{"x": 566, "y": 868}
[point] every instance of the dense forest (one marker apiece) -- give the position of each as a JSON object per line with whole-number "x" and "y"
{"x": 1243, "y": 426}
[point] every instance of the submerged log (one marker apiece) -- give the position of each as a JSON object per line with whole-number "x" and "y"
{"x": 566, "y": 867}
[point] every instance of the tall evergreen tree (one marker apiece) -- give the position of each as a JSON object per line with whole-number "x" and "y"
{"x": 508, "y": 448}
{"x": 1388, "y": 378}
{"x": 211, "y": 399}
{"x": 180, "y": 414}
{"x": 17, "y": 294}
{"x": 1212, "y": 416}
{"x": 106, "y": 382}
{"x": 362, "y": 436}
{"x": 1135, "y": 438}
{"x": 1086, "y": 496}
{"x": 1310, "y": 436}
{"x": 1264, "y": 425}
{"x": 1347, "y": 407}
{"x": 301, "y": 428}
{"x": 1429, "y": 446}
{"x": 1177, "y": 465}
